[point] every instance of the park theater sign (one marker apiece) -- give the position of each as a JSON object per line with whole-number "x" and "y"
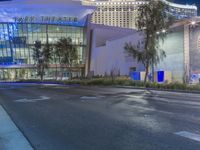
{"x": 45, "y": 19}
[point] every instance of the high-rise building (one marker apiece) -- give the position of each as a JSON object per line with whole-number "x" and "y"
{"x": 122, "y": 13}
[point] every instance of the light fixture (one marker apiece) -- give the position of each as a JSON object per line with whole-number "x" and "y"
{"x": 193, "y": 23}
{"x": 157, "y": 32}
{"x": 163, "y": 31}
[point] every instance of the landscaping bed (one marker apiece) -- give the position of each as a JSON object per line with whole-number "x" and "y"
{"x": 107, "y": 81}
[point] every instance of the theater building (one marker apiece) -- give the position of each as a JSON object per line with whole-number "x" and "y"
{"x": 100, "y": 47}
{"x": 23, "y": 24}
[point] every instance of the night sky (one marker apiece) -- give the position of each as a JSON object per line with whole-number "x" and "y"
{"x": 197, "y": 2}
{"x": 187, "y": 1}
{"x": 178, "y": 1}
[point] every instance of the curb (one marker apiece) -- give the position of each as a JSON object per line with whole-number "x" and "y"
{"x": 155, "y": 89}
{"x": 114, "y": 86}
{"x": 39, "y": 83}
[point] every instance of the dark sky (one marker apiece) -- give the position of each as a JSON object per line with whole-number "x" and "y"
{"x": 178, "y": 1}
{"x": 197, "y": 2}
{"x": 187, "y": 1}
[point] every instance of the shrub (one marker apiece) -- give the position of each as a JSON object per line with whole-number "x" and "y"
{"x": 122, "y": 81}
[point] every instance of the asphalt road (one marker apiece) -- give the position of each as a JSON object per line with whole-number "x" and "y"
{"x": 101, "y": 118}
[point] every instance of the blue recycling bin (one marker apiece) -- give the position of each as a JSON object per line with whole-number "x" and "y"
{"x": 135, "y": 75}
{"x": 161, "y": 76}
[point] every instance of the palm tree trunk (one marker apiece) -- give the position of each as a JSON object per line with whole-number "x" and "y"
{"x": 56, "y": 71}
{"x": 62, "y": 71}
{"x": 70, "y": 72}
{"x": 42, "y": 74}
{"x": 146, "y": 73}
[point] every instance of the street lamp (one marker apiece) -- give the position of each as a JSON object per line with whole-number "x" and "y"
{"x": 163, "y": 31}
{"x": 193, "y": 22}
{"x": 158, "y": 32}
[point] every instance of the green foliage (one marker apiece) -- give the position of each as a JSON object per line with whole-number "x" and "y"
{"x": 66, "y": 52}
{"x": 47, "y": 53}
{"x": 107, "y": 81}
{"x": 42, "y": 56}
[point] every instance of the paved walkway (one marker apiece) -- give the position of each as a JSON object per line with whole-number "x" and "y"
{"x": 10, "y": 136}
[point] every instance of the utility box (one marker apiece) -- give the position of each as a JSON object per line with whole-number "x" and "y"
{"x": 142, "y": 74}
{"x": 162, "y": 76}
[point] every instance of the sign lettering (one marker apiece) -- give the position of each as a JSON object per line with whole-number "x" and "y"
{"x": 45, "y": 19}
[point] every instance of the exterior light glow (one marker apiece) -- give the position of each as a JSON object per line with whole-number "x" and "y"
{"x": 158, "y": 32}
{"x": 163, "y": 31}
{"x": 193, "y": 22}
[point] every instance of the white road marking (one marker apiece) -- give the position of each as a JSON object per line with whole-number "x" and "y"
{"x": 137, "y": 98}
{"x": 91, "y": 97}
{"x": 25, "y": 100}
{"x": 189, "y": 135}
{"x": 176, "y": 93}
{"x": 161, "y": 99}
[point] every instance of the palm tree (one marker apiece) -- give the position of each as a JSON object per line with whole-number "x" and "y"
{"x": 152, "y": 20}
{"x": 47, "y": 52}
{"x": 37, "y": 54}
{"x": 67, "y": 54}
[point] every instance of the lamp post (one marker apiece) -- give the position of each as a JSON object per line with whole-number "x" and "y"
{"x": 163, "y": 31}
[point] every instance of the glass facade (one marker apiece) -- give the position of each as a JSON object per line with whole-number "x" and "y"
{"x": 16, "y": 47}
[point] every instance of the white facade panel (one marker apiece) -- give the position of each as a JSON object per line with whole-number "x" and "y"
{"x": 112, "y": 56}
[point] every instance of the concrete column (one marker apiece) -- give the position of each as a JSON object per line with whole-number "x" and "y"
{"x": 186, "y": 53}
{"x": 88, "y": 46}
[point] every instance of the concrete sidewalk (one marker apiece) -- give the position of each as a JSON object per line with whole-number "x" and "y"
{"x": 10, "y": 136}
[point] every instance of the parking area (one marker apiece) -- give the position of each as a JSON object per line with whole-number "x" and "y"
{"x": 102, "y": 118}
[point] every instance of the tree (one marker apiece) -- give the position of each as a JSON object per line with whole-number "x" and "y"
{"x": 152, "y": 21}
{"x": 42, "y": 57}
{"x": 37, "y": 56}
{"x": 67, "y": 53}
{"x": 114, "y": 72}
{"x": 47, "y": 54}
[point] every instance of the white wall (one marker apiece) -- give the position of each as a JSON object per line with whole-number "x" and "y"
{"x": 173, "y": 46}
{"x": 113, "y": 55}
